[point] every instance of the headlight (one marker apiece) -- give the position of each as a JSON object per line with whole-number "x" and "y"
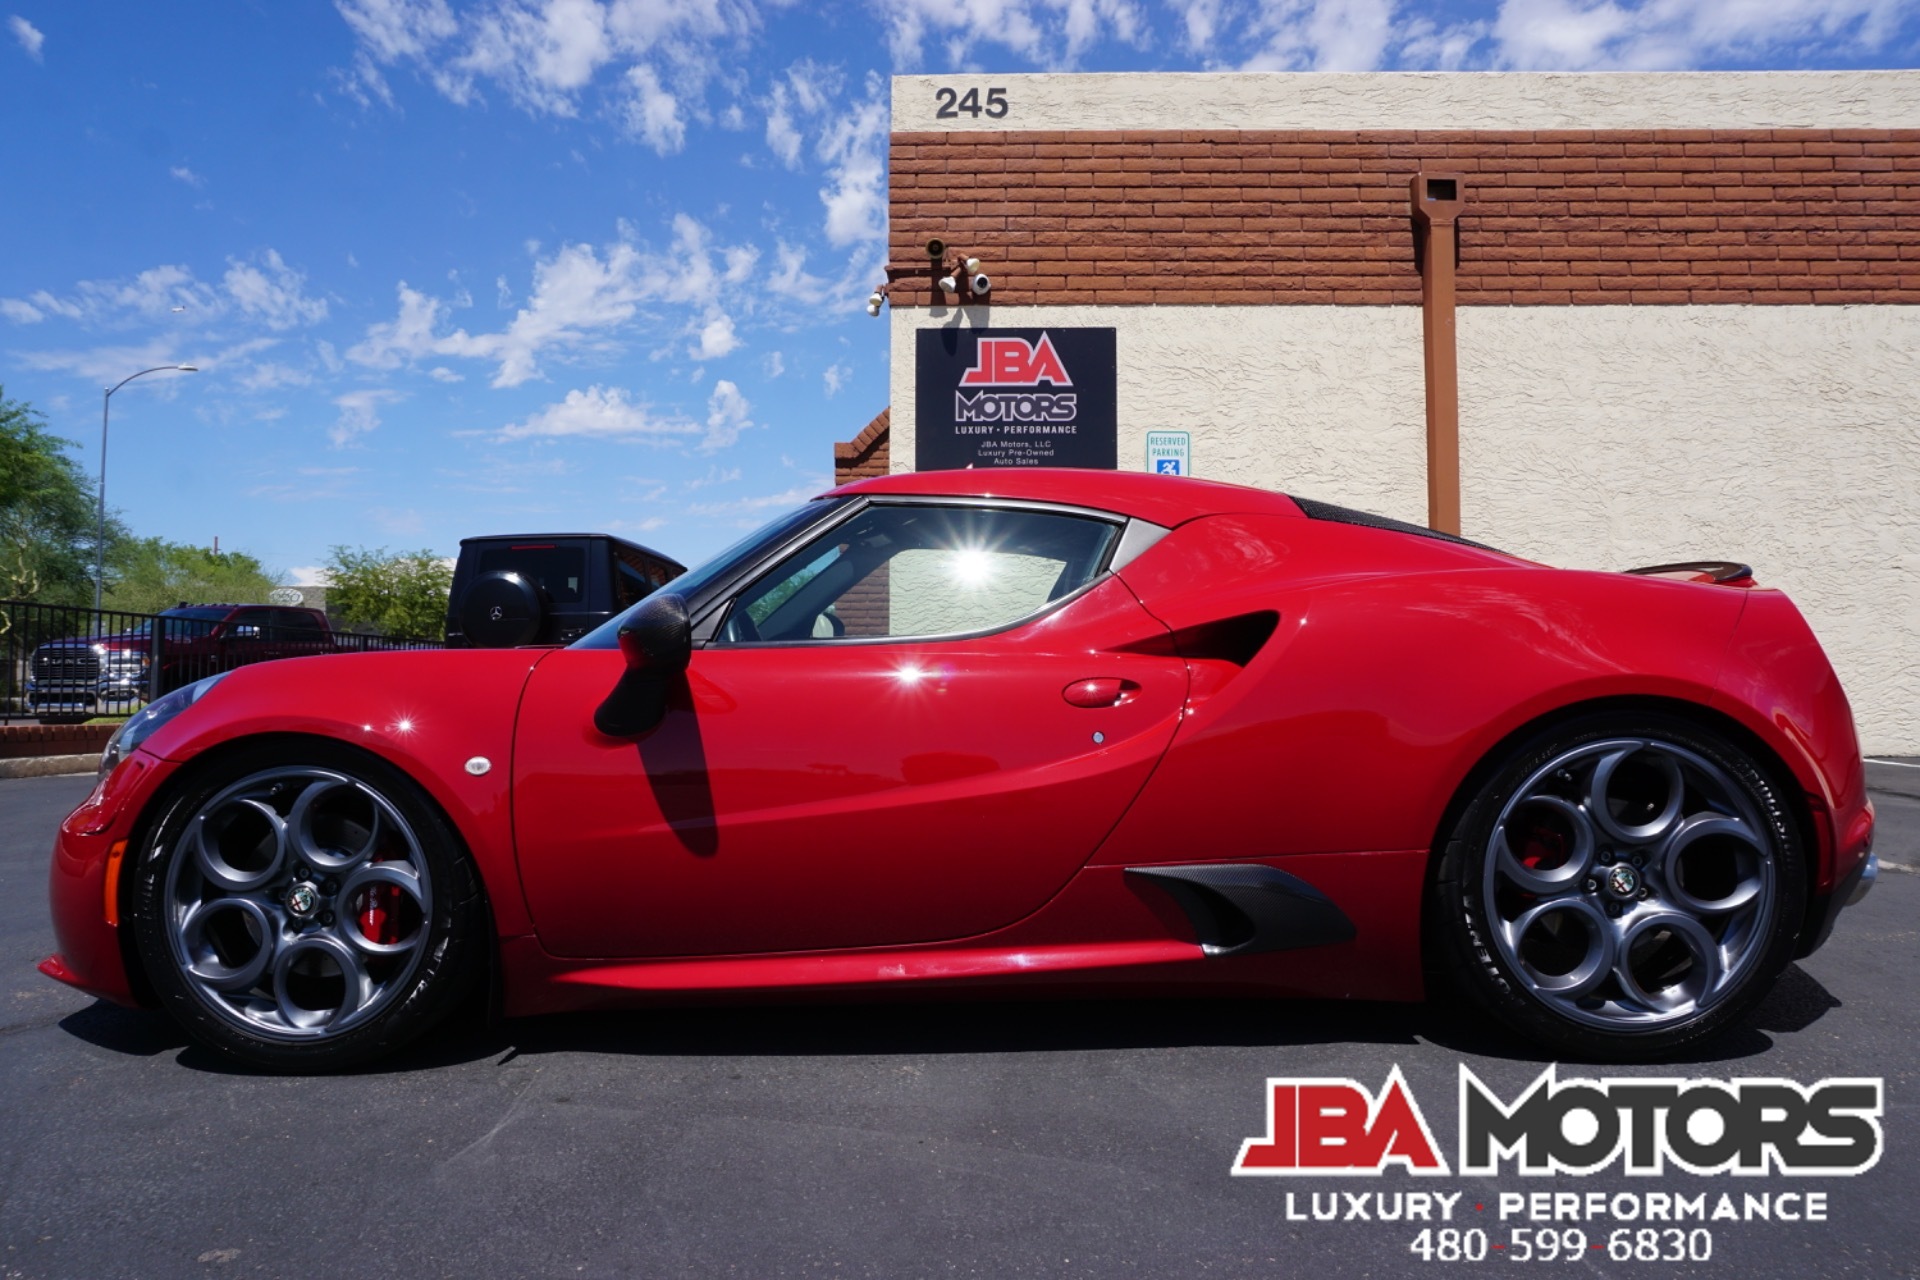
{"x": 147, "y": 721}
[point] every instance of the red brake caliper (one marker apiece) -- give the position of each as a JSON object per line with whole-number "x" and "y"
{"x": 378, "y": 922}
{"x": 1544, "y": 846}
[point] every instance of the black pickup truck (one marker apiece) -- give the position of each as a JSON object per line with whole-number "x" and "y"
{"x": 547, "y": 588}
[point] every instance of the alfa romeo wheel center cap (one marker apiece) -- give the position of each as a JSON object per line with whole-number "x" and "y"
{"x": 1622, "y": 881}
{"x": 302, "y": 900}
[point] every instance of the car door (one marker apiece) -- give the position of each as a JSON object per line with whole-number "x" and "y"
{"x": 917, "y": 726}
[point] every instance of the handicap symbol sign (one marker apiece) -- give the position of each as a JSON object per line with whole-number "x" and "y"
{"x": 1170, "y": 453}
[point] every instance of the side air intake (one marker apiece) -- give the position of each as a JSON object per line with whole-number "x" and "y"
{"x": 1242, "y": 909}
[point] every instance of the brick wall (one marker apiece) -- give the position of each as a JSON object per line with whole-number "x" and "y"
{"x": 867, "y": 454}
{"x": 18, "y": 740}
{"x": 1319, "y": 217}
{"x": 866, "y": 608}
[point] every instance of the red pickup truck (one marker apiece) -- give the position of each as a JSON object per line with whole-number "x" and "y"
{"x": 79, "y": 677}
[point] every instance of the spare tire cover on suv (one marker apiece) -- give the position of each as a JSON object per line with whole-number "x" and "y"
{"x": 502, "y": 609}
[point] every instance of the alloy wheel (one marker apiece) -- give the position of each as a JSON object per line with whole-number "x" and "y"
{"x": 1629, "y": 884}
{"x": 297, "y": 903}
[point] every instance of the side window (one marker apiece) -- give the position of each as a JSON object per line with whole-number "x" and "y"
{"x": 250, "y": 624}
{"x": 921, "y": 571}
{"x": 635, "y": 577}
{"x": 296, "y": 624}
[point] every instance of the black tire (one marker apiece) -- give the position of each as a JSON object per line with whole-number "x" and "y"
{"x": 382, "y": 829}
{"x": 1520, "y": 919}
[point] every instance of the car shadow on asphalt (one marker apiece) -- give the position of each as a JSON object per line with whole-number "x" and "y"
{"x": 977, "y": 1024}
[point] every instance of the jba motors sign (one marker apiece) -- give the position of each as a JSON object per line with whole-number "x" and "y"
{"x": 1753, "y": 1126}
{"x": 1015, "y": 398}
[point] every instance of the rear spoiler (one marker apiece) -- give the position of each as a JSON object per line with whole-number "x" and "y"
{"x": 1725, "y": 573}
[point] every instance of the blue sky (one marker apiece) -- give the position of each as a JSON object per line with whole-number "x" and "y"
{"x": 526, "y": 265}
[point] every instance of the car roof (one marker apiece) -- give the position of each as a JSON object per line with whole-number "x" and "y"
{"x": 1165, "y": 500}
{"x": 525, "y": 537}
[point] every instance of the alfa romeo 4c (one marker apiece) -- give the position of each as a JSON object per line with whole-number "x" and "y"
{"x": 1068, "y": 729}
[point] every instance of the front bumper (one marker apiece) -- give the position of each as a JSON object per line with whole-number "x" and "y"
{"x": 83, "y": 883}
{"x": 48, "y": 698}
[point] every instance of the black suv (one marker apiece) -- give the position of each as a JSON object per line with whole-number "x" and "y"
{"x": 547, "y": 588}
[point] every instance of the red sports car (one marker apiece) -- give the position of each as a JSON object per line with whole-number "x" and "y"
{"x": 944, "y": 730}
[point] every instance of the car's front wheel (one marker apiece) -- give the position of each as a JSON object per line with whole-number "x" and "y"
{"x": 1621, "y": 887}
{"x": 304, "y": 908}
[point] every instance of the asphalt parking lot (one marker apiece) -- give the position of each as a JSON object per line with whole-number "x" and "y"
{"x": 978, "y": 1139}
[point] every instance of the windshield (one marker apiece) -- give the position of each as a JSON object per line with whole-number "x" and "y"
{"x": 721, "y": 569}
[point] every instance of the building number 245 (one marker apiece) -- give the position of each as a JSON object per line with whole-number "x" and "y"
{"x": 952, "y": 103}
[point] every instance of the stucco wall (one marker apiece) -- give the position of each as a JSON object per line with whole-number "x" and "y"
{"x": 1327, "y": 397}
{"x": 1423, "y": 100}
{"x": 1601, "y": 437}
{"x": 1784, "y": 437}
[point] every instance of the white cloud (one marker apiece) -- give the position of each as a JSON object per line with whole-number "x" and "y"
{"x": 390, "y": 30}
{"x": 269, "y": 376}
{"x": 854, "y": 147}
{"x": 359, "y": 414}
{"x": 605, "y": 413}
{"x": 266, "y": 289}
{"x": 799, "y": 96}
{"x": 1201, "y": 22}
{"x": 542, "y": 53}
{"x": 727, "y": 417}
{"x": 580, "y": 298}
{"x": 747, "y": 506}
{"x": 271, "y": 292}
{"x": 1543, "y": 35}
{"x": 836, "y": 377}
{"x": 440, "y": 373}
{"x": 783, "y": 137}
{"x": 108, "y": 365}
{"x": 1323, "y": 35}
{"x": 716, "y": 339}
{"x": 773, "y": 364}
{"x": 1664, "y": 34}
{"x": 714, "y": 476}
{"x": 740, "y": 260}
{"x": 653, "y": 113}
{"x": 547, "y": 54}
{"x": 27, "y": 34}
{"x": 181, "y": 173}
{"x": 1054, "y": 33}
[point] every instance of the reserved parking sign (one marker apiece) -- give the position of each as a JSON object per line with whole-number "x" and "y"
{"x": 1170, "y": 453}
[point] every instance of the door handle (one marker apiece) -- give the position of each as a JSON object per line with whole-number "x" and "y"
{"x": 1100, "y": 691}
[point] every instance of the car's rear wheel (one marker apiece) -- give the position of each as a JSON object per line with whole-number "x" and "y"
{"x": 305, "y": 908}
{"x": 1621, "y": 887}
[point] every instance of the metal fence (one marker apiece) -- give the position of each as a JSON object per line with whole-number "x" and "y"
{"x": 64, "y": 665}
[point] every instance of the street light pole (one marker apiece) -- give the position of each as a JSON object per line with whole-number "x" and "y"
{"x": 100, "y": 533}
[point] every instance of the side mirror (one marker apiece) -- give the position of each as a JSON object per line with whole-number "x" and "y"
{"x": 657, "y": 643}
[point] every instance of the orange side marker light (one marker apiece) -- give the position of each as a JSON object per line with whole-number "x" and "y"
{"x": 115, "y": 854}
